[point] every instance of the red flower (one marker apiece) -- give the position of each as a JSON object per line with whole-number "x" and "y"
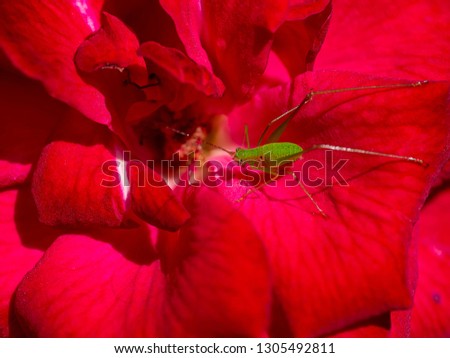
{"x": 138, "y": 260}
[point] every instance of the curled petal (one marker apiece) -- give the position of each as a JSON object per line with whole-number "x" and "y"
{"x": 68, "y": 183}
{"x": 112, "y": 44}
{"x": 308, "y": 22}
{"x": 81, "y": 179}
{"x": 181, "y": 79}
{"x": 108, "y": 60}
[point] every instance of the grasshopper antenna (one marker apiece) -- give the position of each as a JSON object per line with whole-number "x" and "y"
{"x": 308, "y": 98}
{"x": 221, "y": 148}
{"x": 367, "y": 152}
{"x": 349, "y": 89}
{"x": 208, "y": 143}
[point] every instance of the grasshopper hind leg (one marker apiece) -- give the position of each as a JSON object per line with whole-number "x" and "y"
{"x": 308, "y": 194}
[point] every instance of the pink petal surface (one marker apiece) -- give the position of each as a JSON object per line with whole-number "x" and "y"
{"x": 40, "y": 39}
{"x": 29, "y": 116}
{"x": 115, "y": 287}
{"x": 354, "y": 265}
{"x": 431, "y": 312}
{"x": 22, "y": 242}
{"x": 405, "y": 39}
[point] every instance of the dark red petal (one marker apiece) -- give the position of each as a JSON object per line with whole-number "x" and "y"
{"x": 298, "y": 41}
{"x": 153, "y": 200}
{"x": 28, "y": 118}
{"x": 331, "y": 273}
{"x": 76, "y": 180}
{"x": 217, "y": 284}
{"x": 444, "y": 176}
{"x": 22, "y": 242}
{"x": 301, "y": 9}
{"x": 393, "y": 325}
{"x": 431, "y": 312}
{"x": 402, "y": 39}
{"x": 41, "y": 39}
{"x": 377, "y": 327}
{"x": 182, "y": 81}
{"x": 148, "y": 20}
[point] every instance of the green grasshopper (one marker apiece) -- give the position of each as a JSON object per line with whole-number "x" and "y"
{"x": 282, "y": 153}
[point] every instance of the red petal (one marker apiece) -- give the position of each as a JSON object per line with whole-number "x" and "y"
{"x": 113, "y": 43}
{"x": 298, "y": 41}
{"x": 108, "y": 60}
{"x": 41, "y": 39}
{"x": 237, "y": 37}
{"x": 182, "y": 80}
{"x": 335, "y": 272}
{"x": 88, "y": 288}
{"x": 153, "y": 200}
{"x": 402, "y": 39}
{"x": 22, "y": 241}
{"x": 431, "y": 312}
{"x": 148, "y": 20}
{"x": 28, "y": 117}
{"x": 188, "y": 19}
{"x": 219, "y": 261}
{"x": 84, "y": 287}
{"x": 78, "y": 181}
{"x": 67, "y": 183}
